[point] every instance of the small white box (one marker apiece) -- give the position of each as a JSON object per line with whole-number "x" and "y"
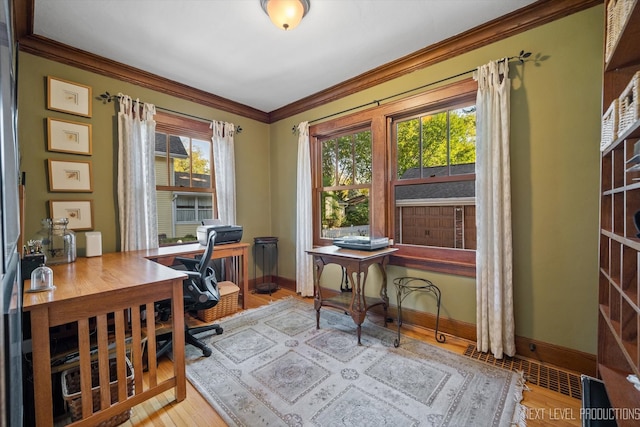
{"x": 94, "y": 243}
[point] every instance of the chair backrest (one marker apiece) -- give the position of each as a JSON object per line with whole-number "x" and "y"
{"x": 202, "y": 292}
{"x": 205, "y": 259}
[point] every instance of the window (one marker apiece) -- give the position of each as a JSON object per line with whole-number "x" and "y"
{"x": 193, "y": 208}
{"x": 346, "y": 184}
{"x": 184, "y": 177}
{"x": 434, "y": 185}
{"x": 405, "y": 170}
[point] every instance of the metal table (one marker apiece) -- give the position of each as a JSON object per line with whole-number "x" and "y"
{"x": 408, "y": 285}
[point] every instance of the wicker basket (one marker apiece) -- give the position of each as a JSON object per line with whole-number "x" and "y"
{"x": 72, "y": 396}
{"x": 609, "y": 125}
{"x": 612, "y": 32}
{"x": 617, "y": 14}
{"x": 628, "y": 105}
{"x": 227, "y": 305}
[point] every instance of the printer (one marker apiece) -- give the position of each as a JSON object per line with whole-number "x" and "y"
{"x": 224, "y": 233}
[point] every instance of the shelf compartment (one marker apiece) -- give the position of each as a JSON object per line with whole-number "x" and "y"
{"x": 629, "y": 280}
{"x": 614, "y": 309}
{"x": 632, "y": 201}
{"x": 629, "y": 330}
{"x": 606, "y": 212}
{"x": 632, "y": 163}
{"x": 615, "y": 257}
{"x": 607, "y": 171}
{"x": 619, "y": 166}
{"x": 611, "y": 352}
{"x": 603, "y": 290}
{"x": 605, "y": 254}
{"x": 618, "y": 213}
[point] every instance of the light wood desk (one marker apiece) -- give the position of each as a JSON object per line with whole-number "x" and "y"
{"x": 237, "y": 269}
{"x": 88, "y": 292}
{"x": 356, "y": 264}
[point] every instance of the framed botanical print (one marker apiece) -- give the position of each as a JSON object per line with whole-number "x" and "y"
{"x": 78, "y": 212}
{"x": 68, "y": 97}
{"x": 68, "y": 137}
{"x": 70, "y": 176}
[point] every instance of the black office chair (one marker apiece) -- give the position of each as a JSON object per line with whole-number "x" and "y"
{"x": 200, "y": 291}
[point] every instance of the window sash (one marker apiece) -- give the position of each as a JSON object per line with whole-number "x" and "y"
{"x": 179, "y": 222}
{"x": 382, "y": 187}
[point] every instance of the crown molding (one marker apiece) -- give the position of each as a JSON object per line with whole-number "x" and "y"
{"x": 516, "y": 22}
{"x": 536, "y": 14}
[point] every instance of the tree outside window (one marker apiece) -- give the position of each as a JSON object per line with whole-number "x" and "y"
{"x": 346, "y": 181}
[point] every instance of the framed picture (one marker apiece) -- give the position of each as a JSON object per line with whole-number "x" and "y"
{"x": 70, "y": 176}
{"x": 79, "y": 212}
{"x": 68, "y": 137}
{"x": 68, "y": 97}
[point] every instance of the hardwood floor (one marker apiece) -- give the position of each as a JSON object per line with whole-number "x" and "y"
{"x": 543, "y": 407}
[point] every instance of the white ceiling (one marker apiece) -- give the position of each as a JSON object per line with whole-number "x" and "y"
{"x": 231, "y": 49}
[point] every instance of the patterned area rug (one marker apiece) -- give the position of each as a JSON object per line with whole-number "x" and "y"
{"x": 272, "y": 367}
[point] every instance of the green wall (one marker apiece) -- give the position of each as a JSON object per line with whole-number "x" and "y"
{"x": 555, "y": 130}
{"x": 555, "y": 127}
{"x": 251, "y": 150}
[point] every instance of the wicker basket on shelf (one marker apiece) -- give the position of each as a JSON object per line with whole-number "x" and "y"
{"x": 628, "y": 105}
{"x": 617, "y": 14}
{"x": 609, "y": 125}
{"x": 227, "y": 305}
{"x": 73, "y": 398}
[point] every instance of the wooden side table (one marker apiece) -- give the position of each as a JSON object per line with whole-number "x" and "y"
{"x": 356, "y": 263}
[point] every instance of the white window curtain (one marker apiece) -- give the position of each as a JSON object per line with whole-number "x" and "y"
{"x": 304, "y": 215}
{"x": 225, "y": 166}
{"x": 494, "y": 283}
{"x": 136, "y": 175}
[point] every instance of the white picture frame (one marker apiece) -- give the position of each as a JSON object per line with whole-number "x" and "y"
{"x": 65, "y": 136}
{"x": 68, "y": 97}
{"x": 78, "y": 212}
{"x": 70, "y": 176}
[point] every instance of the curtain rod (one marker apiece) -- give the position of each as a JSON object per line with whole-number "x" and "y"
{"x": 520, "y": 57}
{"x": 107, "y": 97}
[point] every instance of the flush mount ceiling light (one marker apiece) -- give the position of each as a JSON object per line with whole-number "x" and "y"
{"x": 286, "y": 14}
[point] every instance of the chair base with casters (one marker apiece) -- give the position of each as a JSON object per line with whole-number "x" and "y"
{"x": 164, "y": 341}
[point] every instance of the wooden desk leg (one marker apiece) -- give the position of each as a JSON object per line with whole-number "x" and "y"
{"x": 245, "y": 278}
{"x": 41, "y": 366}
{"x": 177, "y": 310}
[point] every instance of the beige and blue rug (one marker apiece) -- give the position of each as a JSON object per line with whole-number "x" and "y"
{"x": 272, "y": 367}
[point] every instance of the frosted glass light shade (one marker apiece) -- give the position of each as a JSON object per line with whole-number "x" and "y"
{"x": 285, "y": 14}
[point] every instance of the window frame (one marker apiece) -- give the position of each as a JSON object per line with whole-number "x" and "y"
{"x": 172, "y": 124}
{"x": 319, "y": 188}
{"x": 379, "y": 120}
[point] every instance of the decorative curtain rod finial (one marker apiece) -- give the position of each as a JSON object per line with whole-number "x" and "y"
{"x": 107, "y": 97}
{"x": 521, "y": 56}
